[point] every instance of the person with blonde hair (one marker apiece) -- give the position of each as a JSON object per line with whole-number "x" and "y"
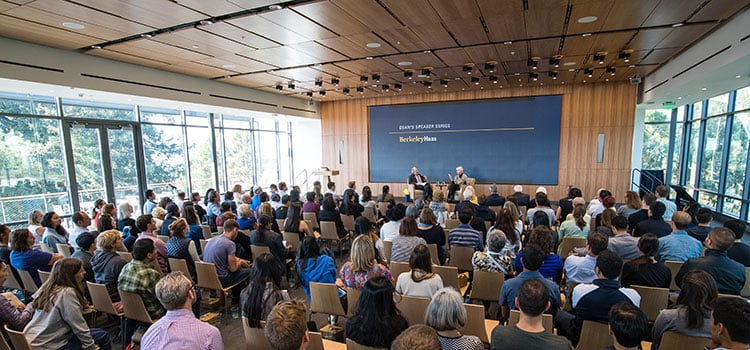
{"x": 362, "y": 264}
{"x": 107, "y": 264}
{"x": 632, "y": 204}
{"x": 58, "y": 321}
{"x": 417, "y": 337}
{"x": 180, "y": 247}
{"x": 447, "y": 315}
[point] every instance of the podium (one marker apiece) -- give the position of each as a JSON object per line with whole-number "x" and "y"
{"x": 327, "y": 173}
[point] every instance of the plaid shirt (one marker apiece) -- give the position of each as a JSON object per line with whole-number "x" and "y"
{"x": 140, "y": 278}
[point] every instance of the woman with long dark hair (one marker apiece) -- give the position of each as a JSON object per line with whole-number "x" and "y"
{"x": 294, "y": 222}
{"x": 377, "y": 321}
{"x": 58, "y": 321}
{"x": 632, "y": 204}
{"x": 432, "y": 233}
{"x": 646, "y": 270}
{"x": 553, "y": 264}
{"x": 263, "y": 291}
{"x": 505, "y": 223}
{"x": 313, "y": 266}
{"x": 263, "y": 236}
{"x": 565, "y": 205}
{"x": 195, "y": 233}
{"x": 420, "y": 281}
{"x": 407, "y": 239}
{"x": 692, "y": 312}
{"x": 54, "y": 231}
{"x": 329, "y": 213}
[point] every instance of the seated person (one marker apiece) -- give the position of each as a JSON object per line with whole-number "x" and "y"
{"x": 691, "y": 313}
{"x": 140, "y": 277}
{"x": 420, "y": 183}
{"x": 533, "y": 258}
{"x": 417, "y": 337}
{"x": 628, "y": 326}
{"x": 464, "y": 235}
{"x": 24, "y": 257}
{"x": 493, "y": 259}
{"x": 730, "y": 328}
{"x": 532, "y": 300}
{"x": 646, "y": 270}
{"x": 312, "y": 266}
{"x": 329, "y": 213}
{"x": 86, "y": 247}
{"x": 622, "y": 244}
{"x": 729, "y": 274}
{"x": 740, "y": 251}
{"x": 220, "y": 251}
{"x": 703, "y": 217}
{"x": 456, "y": 182}
{"x": 495, "y": 200}
{"x": 377, "y": 321}
{"x": 286, "y": 326}
{"x": 678, "y": 246}
{"x": 406, "y": 241}
{"x": 581, "y": 269}
{"x": 447, "y": 315}
{"x": 14, "y": 316}
{"x": 654, "y": 223}
{"x": 263, "y": 291}
{"x": 553, "y": 263}
{"x": 420, "y": 281}
{"x": 107, "y": 264}
{"x": 363, "y": 264}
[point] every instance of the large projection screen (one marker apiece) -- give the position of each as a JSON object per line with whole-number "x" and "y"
{"x": 503, "y": 141}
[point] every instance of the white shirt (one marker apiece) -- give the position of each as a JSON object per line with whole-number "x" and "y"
{"x": 76, "y": 232}
{"x": 389, "y": 230}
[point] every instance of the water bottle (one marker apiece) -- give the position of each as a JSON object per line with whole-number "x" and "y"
{"x": 126, "y": 231}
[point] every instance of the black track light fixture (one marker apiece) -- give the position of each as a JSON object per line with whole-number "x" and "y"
{"x": 386, "y": 87}
{"x": 335, "y": 81}
{"x": 408, "y": 74}
{"x": 599, "y": 57}
{"x": 360, "y": 89}
{"x": 475, "y": 80}
{"x": 552, "y": 75}
{"x": 345, "y": 91}
{"x": 318, "y": 83}
{"x": 290, "y": 85}
{"x": 490, "y": 66}
{"x": 589, "y": 72}
{"x": 363, "y": 78}
{"x": 279, "y": 87}
{"x": 376, "y": 77}
{"x": 534, "y": 76}
{"x": 493, "y": 79}
{"x": 322, "y": 92}
{"x": 468, "y": 68}
{"x": 625, "y": 55}
{"x": 427, "y": 84}
{"x": 611, "y": 70}
{"x": 397, "y": 87}
{"x": 532, "y": 63}
{"x": 554, "y": 61}
{"x": 309, "y": 94}
{"x": 426, "y": 71}
{"x": 444, "y": 82}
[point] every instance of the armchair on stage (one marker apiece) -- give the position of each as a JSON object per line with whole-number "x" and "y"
{"x": 459, "y": 195}
{"x": 414, "y": 193}
{"x": 419, "y": 194}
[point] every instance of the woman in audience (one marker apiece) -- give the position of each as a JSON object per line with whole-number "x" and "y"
{"x": 367, "y": 202}
{"x": 438, "y": 207}
{"x": 605, "y": 220}
{"x": 158, "y": 213}
{"x": 107, "y": 264}
{"x": 328, "y": 212}
{"x": 447, "y": 315}
{"x": 196, "y": 231}
{"x": 313, "y": 266}
{"x": 412, "y": 212}
{"x": 35, "y": 225}
{"x": 195, "y": 198}
{"x": 263, "y": 291}
{"x": 350, "y": 204}
{"x": 420, "y": 281}
{"x": 311, "y": 205}
{"x": 128, "y": 239}
{"x": 513, "y": 209}
{"x": 362, "y": 265}
{"x": 58, "y": 322}
{"x": 576, "y": 226}
{"x": 266, "y": 209}
{"x": 432, "y": 233}
{"x": 263, "y": 236}
{"x": 692, "y": 312}
{"x": 294, "y": 222}
{"x": 24, "y": 257}
{"x": 318, "y": 192}
{"x": 565, "y": 205}
{"x": 11, "y": 315}
{"x": 363, "y": 226}
{"x": 493, "y": 259}
{"x": 213, "y": 208}
{"x": 553, "y": 264}
{"x": 632, "y": 204}
{"x": 646, "y": 270}
{"x": 246, "y": 218}
{"x": 97, "y": 209}
{"x": 124, "y": 214}
{"x": 54, "y": 231}
{"x": 385, "y": 195}
{"x": 377, "y": 321}
{"x": 505, "y": 222}
{"x": 181, "y": 247}
{"x": 106, "y": 222}
{"x": 173, "y": 213}
{"x": 407, "y": 239}
{"x": 608, "y": 203}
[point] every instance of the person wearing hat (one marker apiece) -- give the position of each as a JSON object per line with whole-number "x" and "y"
{"x": 85, "y": 251}
{"x": 495, "y": 200}
{"x": 539, "y": 191}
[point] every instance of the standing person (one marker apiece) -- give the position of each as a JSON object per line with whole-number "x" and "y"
{"x": 140, "y": 277}
{"x": 23, "y": 257}
{"x": 532, "y": 300}
{"x": 58, "y": 322}
{"x": 179, "y": 328}
{"x": 730, "y": 324}
{"x": 220, "y": 251}
{"x": 447, "y": 315}
{"x": 147, "y": 225}
{"x": 150, "y": 203}
{"x": 420, "y": 281}
{"x": 456, "y": 182}
{"x": 420, "y": 183}
{"x": 54, "y": 231}
{"x": 377, "y": 321}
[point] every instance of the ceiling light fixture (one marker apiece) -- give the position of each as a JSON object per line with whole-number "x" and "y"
{"x": 426, "y": 71}
{"x": 468, "y": 68}
{"x": 703, "y": 89}
{"x": 585, "y": 35}
{"x": 318, "y": 83}
{"x": 376, "y": 77}
{"x": 428, "y": 84}
{"x": 206, "y": 22}
{"x": 335, "y": 81}
{"x": 493, "y": 79}
{"x": 95, "y": 47}
{"x": 146, "y": 36}
{"x": 363, "y": 78}
{"x": 507, "y": 42}
{"x": 554, "y": 61}
{"x": 404, "y": 63}
{"x": 532, "y": 63}
{"x": 534, "y": 76}
{"x": 676, "y": 25}
{"x": 475, "y": 80}
{"x": 625, "y": 56}
{"x": 73, "y": 25}
{"x": 279, "y": 87}
{"x": 587, "y": 19}
{"x": 490, "y": 66}
{"x": 552, "y": 75}
{"x": 397, "y": 87}
{"x": 386, "y": 87}
{"x": 290, "y": 86}
{"x": 360, "y": 89}
{"x": 368, "y": 57}
{"x": 589, "y": 72}
{"x": 444, "y": 83}
{"x": 275, "y": 7}
{"x": 611, "y": 70}
{"x": 408, "y": 74}
{"x": 322, "y": 92}
{"x": 345, "y": 91}
{"x": 309, "y": 94}
{"x": 599, "y": 57}
{"x": 373, "y": 45}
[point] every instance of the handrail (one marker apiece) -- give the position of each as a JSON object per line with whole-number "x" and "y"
{"x": 303, "y": 183}
{"x": 638, "y": 186}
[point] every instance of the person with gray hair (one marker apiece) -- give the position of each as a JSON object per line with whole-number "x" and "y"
{"x": 447, "y": 315}
{"x": 179, "y": 329}
{"x": 456, "y": 182}
{"x": 412, "y": 211}
{"x": 493, "y": 259}
{"x": 521, "y": 198}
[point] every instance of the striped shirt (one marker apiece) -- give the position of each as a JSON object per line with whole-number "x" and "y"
{"x": 403, "y": 246}
{"x": 179, "y": 329}
{"x": 465, "y": 236}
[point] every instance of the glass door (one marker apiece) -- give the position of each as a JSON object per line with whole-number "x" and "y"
{"x": 104, "y": 164}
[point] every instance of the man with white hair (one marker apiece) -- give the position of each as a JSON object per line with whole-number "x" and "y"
{"x": 456, "y": 182}
{"x": 521, "y": 198}
{"x": 179, "y": 329}
{"x": 419, "y": 182}
{"x": 495, "y": 200}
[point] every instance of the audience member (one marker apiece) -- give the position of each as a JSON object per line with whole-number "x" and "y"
{"x": 493, "y": 259}
{"x": 662, "y": 196}
{"x": 390, "y": 229}
{"x": 532, "y": 299}
{"x": 328, "y": 212}
{"x": 739, "y": 251}
{"x": 632, "y": 204}
{"x": 654, "y": 223}
{"x": 592, "y": 301}
{"x": 195, "y": 231}
{"x": 495, "y": 200}
{"x": 179, "y": 328}
{"x": 286, "y": 327}
{"x": 54, "y": 231}
{"x": 124, "y": 218}
{"x": 295, "y": 223}
{"x": 646, "y": 270}
{"x": 362, "y": 264}
{"x": 246, "y": 218}
{"x": 263, "y": 291}
{"x": 13, "y": 316}
{"x": 730, "y": 324}
{"x": 432, "y": 233}
{"x": 678, "y": 246}
{"x": 553, "y": 263}
{"x": 140, "y": 277}
{"x": 363, "y": 226}
{"x": 312, "y": 266}
{"x": 147, "y": 225}
{"x": 58, "y": 322}
{"x": 729, "y": 274}
{"x": 377, "y": 321}
{"x": 447, "y": 315}
{"x": 107, "y": 264}
{"x": 533, "y": 259}
{"x": 82, "y": 223}
{"x": 703, "y": 217}
{"x": 628, "y": 326}
{"x": 420, "y": 281}
{"x": 417, "y": 337}
{"x": 596, "y": 206}
{"x": 463, "y": 235}
{"x": 623, "y": 244}
{"x": 438, "y": 207}
{"x": 521, "y": 198}
{"x": 575, "y": 226}
{"x": 407, "y": 239}
{"x": 150, "y": 203}
{"x": 180, "y": 247}
{"x": 691, "y": 313}
{"x": 281, "y": 210}
{"x": 264, "y": 237}
{"x": 35, "y": 225}
{"x": 542, "y": 205}
{"x": 635, "y": 218}
{"x": 311, "y": 205}
{"x": 85, "y": 252}
{"x": 506, "y": 222}
{"x": 221, "y": 251}
{"x": 23, "y": 257}
{"x": 581, "y": 269}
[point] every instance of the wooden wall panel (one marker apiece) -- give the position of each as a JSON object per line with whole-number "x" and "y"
{"x": 587, "y": 110}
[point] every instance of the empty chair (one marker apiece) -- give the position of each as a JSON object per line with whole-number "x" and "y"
{"x": 595, "y": 336}
{"x": 254, "y": 337}
{"x": 209, "y": 279}
{"x": 324, "y": 298}
{"x": 348, "y": 221}
{"x": 515, "y": 316}
{"x": 17, "y": 339}
{"x": 126, "y": 255}
{"x": 653, "y": 300}
{"x": 673, "y": 340}
{"x": 486, "y": 285}
{"x": 63, "y": 249}
{"x": 448, "y": 274}
{"x": 312, "y": 220}
{"x": 568, "y": 244}
{"x": 292, "y": 239}
{"x": 133, "y": 307}
{"x": 413, "y": 309}
{"x": 102, "y": 302}
{"x": 398, "y": 268}
{"x": 460, "y": 258}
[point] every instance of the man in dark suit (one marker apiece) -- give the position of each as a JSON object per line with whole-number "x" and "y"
{"x": 495, "y": 200}
{"x": 420, "y": 183}
{"x": 522, "y": 198}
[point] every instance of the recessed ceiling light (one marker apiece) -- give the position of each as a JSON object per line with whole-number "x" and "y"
{"x": 275, "y": 7}
{"x": 404, "y": 63}
{"x": 571, "y": 69}
{"x": 368, "y": 57}
{"x": 73, "y": 25}
{"x": 427, "y": 51}
{"x": 738, "y": 76}
{"x": 229, "y": 66}
{"x": 507, "y": 42}
{"x": 632, "y": 66}
{"x": 679, "y": 97}
{"x": 96, "y": 47}
{"x": 677, "y": 25}
{"x": 587, "y": 19}
{"x": 373, "y": 45}
{"x": 569, "y": 63}
{"x": 703, "y": 89}
{"x": 585, "y": 34}
{"x": 195, "y": 46}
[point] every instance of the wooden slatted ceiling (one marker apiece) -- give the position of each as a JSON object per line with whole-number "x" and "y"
{"x": 318, "y": 51}
{"x": 198, "y": 69}
{"x": 282, "y": 56}
{"x": 367, "y": 67}
{"x": 413, "y": 13}
{"x": 268, "y": 29}
{"x": 287, "y": 18}
{"x": 434, "y": 35}
{"x": 418, "y": 60}
{"x": 5, "y": 6}
{"x": 545, "y": 18}
{"x": 403, "y": 39}
{"x": 31, "y": 14}
{"x": 236, "y": 63}
{"x": 106, "y": 53}
{"x": 666, "y": 12}
{"x": 370, "y": 13}
{"x": 203, "y": 42}
{"x": 88, "y": 15}
{"x": 599, "y": 8}
{"x": 683, "y": 36}
{"x": 154, "y": 13}
{"x": 45, "y": 35}
{"x": 637, "y": 11}
{"x": 211, "y": 8}
{"x": 157, "y": 51}
{"x": 336, "y": 19}
{"x": 467, "y": 31}
{"x": 718, "y": 9}
{"x": 456, "y": 10}
{"x": 239, "y": 35}
{"x": 506, "y": 27}
{"x": 303, "y": 74}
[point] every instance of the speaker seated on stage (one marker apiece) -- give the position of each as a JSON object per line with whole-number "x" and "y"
{"x": 417, "y": 181}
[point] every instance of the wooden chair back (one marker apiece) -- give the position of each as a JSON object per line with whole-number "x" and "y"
{"x": 745, "y": 292}
{"x": 398, "y": 268}
{"x": 204, "y": 242}
{"x": 324, "y": 298}
{"x": 382, "y": 208}
{"x": 673, "y": 340}
{"x": 45, "y": 248}
{"x": 674, "y": 267}
{"x": 387, "y": 250}
{"x": 448, "y": 274}
{"x": 496, "y": 208}
{"x": 280, "y": 222}
{"x": 316, "y": 341}
{"x": 292, "y": 238}
{"x": 257, "y": 250}
{"x": 352, "y": 345}
{"x": 133, "y": 307}
{"x": 4, "y": 344}
{"x": 451, "y": 224}
{"x": 370, "y": 215}
{"x": 434, "y": 253}
{"x": 348, "y": 221}
{"x": 413, "y": 309}
{"x": 486, "y": 285}
{"x": 594, "y": 336}
{"x": 63, "y": 249}
{"x": 653, "y": 300}
{"x": 101, "y": 300}
{"x": 179, "y": 265}
{"x": 11, "y": 282}
{"x": 254, "y": 337}
{"x": 568, "y": 244}
{"x": 207, "y": 276}
{"x": 311, "y": 219}
{"x": 247, "y": 232}
{"x": 28, "y": 281}
{"x": 206, "y": 231}
{"x": 515, "y": 316}
{"x": 43, "y": 275}
{"x": 17, "y": 339}
{"x": 126, "y": 255}
{"x": 460, "y": 258}
{"x": 328, "y": 231}
{"x": 475, "y": 322}
{"x": 352, "y": 298}
{"x": 163, "y": 238}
